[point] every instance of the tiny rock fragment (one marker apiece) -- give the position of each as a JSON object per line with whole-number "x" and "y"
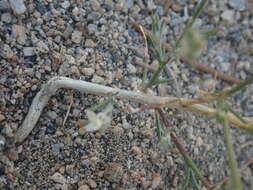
{"x": 113, "y": 172}
{"x": 12, "y": 154}
{"x": 41, "y": 48}
{"x": 177, "y": 7}
{"x": 156, "y": 180}
{"x": 84, "y": 187}
{"x": 18, "y": 6}
{"x": 19, "y": 32}
{"x": 53, "y": 33}
{"x": 228, "y": 16}
{"x": 58, "y": 178}
{"x": 2, "y": 142}
{"x": 28, "y": 51}
{"x": 6, "y": 51}
{"x": 88, "y": 71}
{"x": 239, "y": 5}
{"x": 6, "y": 17}
{"x": 76, "y": 37}
{"x": 92, "y": 183}
{"x": 136, "y": 150}
{"x": 89, "y": 43}
{"x": 2, "y": 117}
{"x": 4, "y": 5}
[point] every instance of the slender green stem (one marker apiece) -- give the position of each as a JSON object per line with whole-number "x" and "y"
{"x": 235, "y": 172}
{"x": 189, "y": 24}
{"x": 189, "y": 161}
{"x": 155, "y": 76}
{"x": 222, "y": 94}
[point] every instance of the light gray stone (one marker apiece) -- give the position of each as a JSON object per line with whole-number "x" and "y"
{"x": 84, "y": 187}
{"x": 76, "y": 37}
{"x": 151, "y": 5}
{"x": 95, "y": 5}
{"x": 4, "y": 5}
{"x": 88, "y": 71}
{"x": 56, "y": 149}
{"x": 19, "y": 32}
{"x": 228, "y": 16}
{"x": 239, "y": 5}
{"x": 90, "y": 43}
{"x": 6, "y": 17}
{"x": 28, "y": 51}
{"x": 6, "y": 51}
{"x": 98, "y": 79}
{"x": 2, "y": 142}
{"x": 65, "y": 4}
{"x": 58, "y": 178}
{"x": 18, "y": 6}
{"x": 41, "y": 48}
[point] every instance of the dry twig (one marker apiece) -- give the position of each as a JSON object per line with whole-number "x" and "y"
{"x": 49, "y": 89}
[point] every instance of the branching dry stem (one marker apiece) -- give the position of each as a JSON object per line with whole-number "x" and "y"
{"x": 50, "y": 88}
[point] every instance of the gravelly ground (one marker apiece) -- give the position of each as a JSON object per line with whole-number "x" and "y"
{"x": 95, "y": 41}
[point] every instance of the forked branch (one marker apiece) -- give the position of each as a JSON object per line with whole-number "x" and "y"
{"x": 50, "y": 88}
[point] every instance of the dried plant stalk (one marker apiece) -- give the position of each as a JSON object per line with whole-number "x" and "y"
{"x": 50, "y": 88}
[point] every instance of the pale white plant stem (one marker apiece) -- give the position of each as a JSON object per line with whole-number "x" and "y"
{"x": 50, "y": 88}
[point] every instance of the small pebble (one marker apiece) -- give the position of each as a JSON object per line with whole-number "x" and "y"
{"x": 76, "y": 37}
{"x": 90, "y": 43}
{"x": 65, "y": 4}
{"x": 239, "y": 5}
{"x": 95, "y": 5}
{"x": 41, "y": 48}
{"x": 12, "y": 154}
{"x": 92, "y": 183}
{"x": 136, "y": 150}
{"x": 28, "y": 51}
{"x": 6, "y": 17}
{"x": 18, "y": 6}
{"x": 56, "y": 149}
{"x": 88, "y": 71}
{"x": 2, "y": 117}
{"x": 2, "y": 142}
{"x": 4, "y": 5}
{"x": 151, "y": 5}
{"x": 113, "y": 172}
{"x": 58, "y": 178}
{"x": 6, "y": 51}
{"x": 52, "y": 115}
{"x": 228, "y": 16}
{"x": 84, "y": 187}
{"x": 97, "y": 79}
{"x": 7, "y": 130}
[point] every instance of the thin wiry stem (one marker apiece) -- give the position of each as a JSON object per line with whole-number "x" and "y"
{"x": 183, "y": 151}
{"x": 222, "y": 94}
{"x": 189, "y": 24}
{"x": 235, "y": 173}
{"x": 226, "y": 179}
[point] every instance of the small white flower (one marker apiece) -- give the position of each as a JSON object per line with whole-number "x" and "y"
{"x": 99, "y": 121}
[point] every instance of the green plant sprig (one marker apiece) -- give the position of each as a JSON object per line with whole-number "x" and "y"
{"x": 235, "y": 181}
